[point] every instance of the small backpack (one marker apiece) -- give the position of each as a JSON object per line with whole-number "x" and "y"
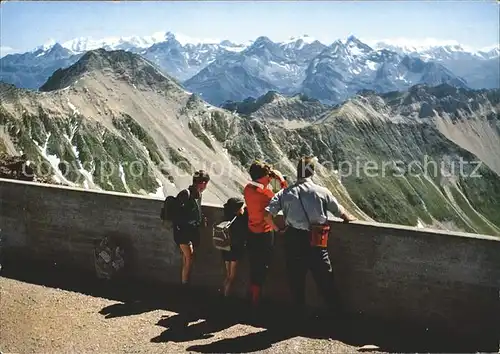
{"x": 221, "y": 235}
{"x": 170, "y": 205}
{"x": 170, "y": 209}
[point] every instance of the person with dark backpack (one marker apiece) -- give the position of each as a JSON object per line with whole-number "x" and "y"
{"x": 236, "y": 213}
{"x": 185, "y": 215}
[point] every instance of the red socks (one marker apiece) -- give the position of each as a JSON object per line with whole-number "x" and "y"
{"x": 255, "y": 294}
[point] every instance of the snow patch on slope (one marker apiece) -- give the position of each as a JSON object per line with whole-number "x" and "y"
{"x": 54, "y": 162}
{"x": 75, "y": 111}
{"x": 121, "y": 173}
{"x": 88, "y": 182}
{"x": 159, "y": 191}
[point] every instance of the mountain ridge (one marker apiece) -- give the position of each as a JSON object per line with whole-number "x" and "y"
{"x": 127, "y": 65}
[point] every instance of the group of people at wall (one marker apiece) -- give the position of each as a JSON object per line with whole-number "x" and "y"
{"x": 304, "y": 205}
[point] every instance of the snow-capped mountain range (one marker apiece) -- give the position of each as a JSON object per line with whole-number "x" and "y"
{"x": 135, "y": 43}
{"x": 84, "y": 44}
{"x": 220, "y": 70}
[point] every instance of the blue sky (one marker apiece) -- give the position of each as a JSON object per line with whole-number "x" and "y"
{"x": 27, "y": 24}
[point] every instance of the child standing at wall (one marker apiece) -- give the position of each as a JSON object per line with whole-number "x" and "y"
{"x": 234, "y": 207}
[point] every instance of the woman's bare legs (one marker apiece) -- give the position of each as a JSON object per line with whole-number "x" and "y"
{"x": 230, "y": 276}
{"x": 187, "y": 262}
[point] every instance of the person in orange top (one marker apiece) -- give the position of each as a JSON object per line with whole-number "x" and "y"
{"x": 260, "y": 242}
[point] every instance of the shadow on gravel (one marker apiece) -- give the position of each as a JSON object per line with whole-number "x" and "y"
{"x": 201, "y": 314}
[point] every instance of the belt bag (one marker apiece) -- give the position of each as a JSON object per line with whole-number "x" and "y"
{"x": 318, "y": 233}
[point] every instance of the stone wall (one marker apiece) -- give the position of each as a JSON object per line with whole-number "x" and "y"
{"x": 443, "y": 279}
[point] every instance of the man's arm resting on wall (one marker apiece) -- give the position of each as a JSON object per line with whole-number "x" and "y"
{"x": 347, "y": 217}
{"x": 268, "y": 217}
{"x": 338, "y": 210}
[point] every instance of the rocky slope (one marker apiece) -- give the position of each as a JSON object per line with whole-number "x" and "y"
{"x": 113, "y": 121}
{"x": 415, "y": 158}
{"x": 279, "y": 108}
{"x": 19, "y": 168}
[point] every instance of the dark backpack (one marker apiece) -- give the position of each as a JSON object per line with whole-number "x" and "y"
{"x": 170, "y": 205}
{"x": 170, "y": 209}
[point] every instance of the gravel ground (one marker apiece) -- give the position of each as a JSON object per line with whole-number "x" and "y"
{"x": 36, "y": 318}
{"x": 52, "y": 309}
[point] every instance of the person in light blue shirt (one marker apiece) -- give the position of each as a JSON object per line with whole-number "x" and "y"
{"x": 305, "y": 205}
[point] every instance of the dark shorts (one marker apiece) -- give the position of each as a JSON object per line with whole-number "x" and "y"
{"x": 235, "y": 254}
{"x": 186, "y": 235}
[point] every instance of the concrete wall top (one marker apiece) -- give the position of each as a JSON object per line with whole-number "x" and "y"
{"x": 418, "y": 230}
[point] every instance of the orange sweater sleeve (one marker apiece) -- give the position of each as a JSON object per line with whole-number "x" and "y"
{"x": 269, "y": 194}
